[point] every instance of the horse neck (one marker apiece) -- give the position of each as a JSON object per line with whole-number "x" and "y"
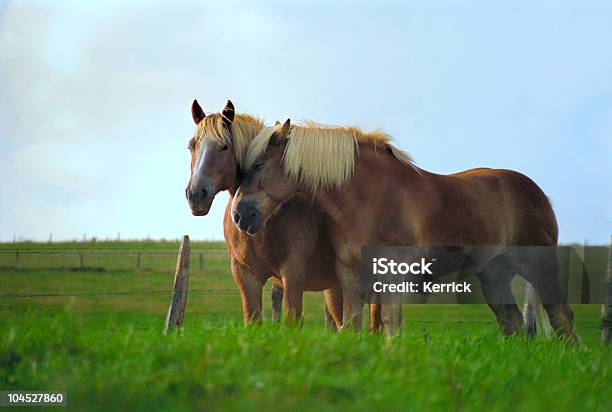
{"x": 238, "y": 176}
{"x": 234, "y": 188}
{"x": 379, "y": 177}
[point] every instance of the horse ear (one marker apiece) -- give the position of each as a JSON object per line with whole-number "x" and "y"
{"x": 228, "y": 113}
{"x": 283, "y": 133}
{"x": 286, "y": 128}
{"x": 197, "y": 112}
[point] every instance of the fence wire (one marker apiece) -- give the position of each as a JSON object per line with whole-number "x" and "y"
{"x": 103, "y": 259}
{"x": 209, "y": 262}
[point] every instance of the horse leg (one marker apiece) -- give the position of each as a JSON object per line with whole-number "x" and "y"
{"x": 495, "y": 282}
{"x": 562, "y": 320}
{"x": 375, "y": 316}
{"x": 250, "y": 288}
{"x": 541, "y": 269}
{"x": 508, "y": 315}
{"x": 277, "y": 302}
{"x": 351, "y": 296}
{"x": 293, "y": 284}
{"x": 330, "y": 323}
{"x": 333, "y": 308}
{"x": 392, "y": 318}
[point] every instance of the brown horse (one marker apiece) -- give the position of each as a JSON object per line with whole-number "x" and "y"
{"x": 372, "y": 194}
{"x": 294, "y": 248}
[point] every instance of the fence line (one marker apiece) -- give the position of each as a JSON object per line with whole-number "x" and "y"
{"x": 131, "y": 252}
{"x": 22, "y": 258}
{"x": 119, "y": 293}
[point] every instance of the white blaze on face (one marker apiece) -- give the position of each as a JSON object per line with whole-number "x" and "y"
{"x": 236, "y": 200}
{"x": 206, "y": 147}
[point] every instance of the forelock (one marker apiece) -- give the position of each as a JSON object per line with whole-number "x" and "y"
{"x": 258, "y": 146}
{"x": 243, "y": 129}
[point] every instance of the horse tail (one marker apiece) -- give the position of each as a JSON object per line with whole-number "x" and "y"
{"x": 534, "y": 316}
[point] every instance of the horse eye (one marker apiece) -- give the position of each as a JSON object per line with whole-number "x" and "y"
{"x": 258, "y": 166}
{"x": 225, "y": 147}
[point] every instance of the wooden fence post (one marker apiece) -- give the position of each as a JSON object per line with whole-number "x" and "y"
{"x": 17, "y": 259}
{"x": 201, "y": 262}
{"x": 176, "y": 312}
{"x": 138, "y": 262}
{"x": 606, "y": 308}
{"x": 81, "y": 261}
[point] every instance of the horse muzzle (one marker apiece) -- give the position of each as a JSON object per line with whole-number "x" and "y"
{"x": 247, "y": 217}
{"x": 200, "y": 197}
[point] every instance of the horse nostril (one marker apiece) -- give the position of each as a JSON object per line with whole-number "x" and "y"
{"x": 236, "y": 217}
{"x": 187, "y": 193}
{"x": 203, "y": 193}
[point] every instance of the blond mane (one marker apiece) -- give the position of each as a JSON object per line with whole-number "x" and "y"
{"x": 244, "y": 128}
{"x": 318, "y": 156}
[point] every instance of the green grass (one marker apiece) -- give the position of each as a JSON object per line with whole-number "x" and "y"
{"x": 106, "y": 349}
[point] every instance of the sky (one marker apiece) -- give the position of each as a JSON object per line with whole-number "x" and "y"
{"x": 95, "y": 99}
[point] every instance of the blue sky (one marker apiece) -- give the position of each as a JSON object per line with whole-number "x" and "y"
{"x": 94, "y": 99}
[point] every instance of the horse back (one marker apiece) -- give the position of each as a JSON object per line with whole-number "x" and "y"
{"x": 521, "y": 204}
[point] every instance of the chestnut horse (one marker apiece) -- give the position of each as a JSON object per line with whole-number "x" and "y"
{"x": 294, "y": 247}
{"x": 372, "y": 194}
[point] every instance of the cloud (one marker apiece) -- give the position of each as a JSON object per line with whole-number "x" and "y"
{"x": 96, "y": 121}
{"x": 94, "y": 98}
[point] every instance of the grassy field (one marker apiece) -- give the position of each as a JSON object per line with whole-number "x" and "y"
{"x": 94, "y": 330}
